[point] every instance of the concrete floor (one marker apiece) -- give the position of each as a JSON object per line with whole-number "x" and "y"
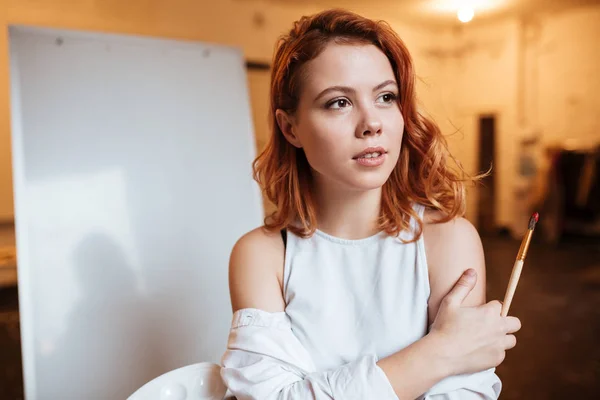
{"x": 558, "y": 301}
{"x": 11, "y": 377}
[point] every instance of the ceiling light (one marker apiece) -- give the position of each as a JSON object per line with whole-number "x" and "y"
{"x": 465, "y": 14}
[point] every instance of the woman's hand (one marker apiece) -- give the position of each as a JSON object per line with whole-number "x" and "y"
{"x": 472, "y": 339}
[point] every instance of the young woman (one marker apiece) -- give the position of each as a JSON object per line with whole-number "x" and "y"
{"x": 366, "y": 283}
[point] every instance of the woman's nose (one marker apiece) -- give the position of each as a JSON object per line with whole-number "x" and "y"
{"x": 369, "y": 126}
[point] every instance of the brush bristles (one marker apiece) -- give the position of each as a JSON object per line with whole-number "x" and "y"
{"x": 533, "y": 220}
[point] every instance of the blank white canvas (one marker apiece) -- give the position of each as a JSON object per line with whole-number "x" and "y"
{"x": 132, "y": 175}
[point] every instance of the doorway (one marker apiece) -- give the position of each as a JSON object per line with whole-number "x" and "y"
{"x": 486, "y": 215}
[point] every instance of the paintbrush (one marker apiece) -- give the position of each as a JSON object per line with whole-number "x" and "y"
{"x": 518, "y": 267}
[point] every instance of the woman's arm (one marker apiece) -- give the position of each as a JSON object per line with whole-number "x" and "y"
{"x": 451, "y": 248}
{"x": 256, "y": 272}
{"x": 477, "y": 330}
{"x": 467, "y": 336}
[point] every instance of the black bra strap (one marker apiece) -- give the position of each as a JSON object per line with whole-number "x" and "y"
{"x": 284, "y": 237}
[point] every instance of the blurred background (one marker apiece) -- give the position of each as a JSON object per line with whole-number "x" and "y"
{"x": 514, "y": 84}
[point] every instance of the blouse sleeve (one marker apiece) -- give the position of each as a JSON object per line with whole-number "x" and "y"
{"x": 264, "y": 360}
{"x": 483, "y": 385}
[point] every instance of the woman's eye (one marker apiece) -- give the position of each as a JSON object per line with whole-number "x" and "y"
{"x": 388, "y": 97}
{"x": 338, "y": 103}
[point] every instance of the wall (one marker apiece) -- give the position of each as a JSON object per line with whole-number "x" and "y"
{"x": 568, "y": 93}
{"x": 481, "y": 73}
{"x": 6, "y": 199}
{"x": 539, "y": 76}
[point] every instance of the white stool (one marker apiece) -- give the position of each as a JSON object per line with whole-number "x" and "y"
{"x": 193, "y": 382}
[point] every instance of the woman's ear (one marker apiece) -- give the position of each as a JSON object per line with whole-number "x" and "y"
{"x": 286, "y": 125}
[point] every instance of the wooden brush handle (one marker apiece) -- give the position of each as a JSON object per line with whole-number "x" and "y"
{"x": 512, "y": 286}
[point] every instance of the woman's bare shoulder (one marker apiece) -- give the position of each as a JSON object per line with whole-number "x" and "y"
{"x": 259, "y": 240}
{"x": 451, "y": 248}
{"x": 256, "y": 271}
{"x": 458, "y": 231}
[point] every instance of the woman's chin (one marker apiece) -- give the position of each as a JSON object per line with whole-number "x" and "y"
{"x": 367, "y": 183}
{"x": 354, "y": 180}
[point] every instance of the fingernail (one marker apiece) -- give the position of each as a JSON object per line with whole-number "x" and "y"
{"x": 470, "y": 272}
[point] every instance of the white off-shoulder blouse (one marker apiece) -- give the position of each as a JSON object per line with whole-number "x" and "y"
{"x": 348, "y": 303}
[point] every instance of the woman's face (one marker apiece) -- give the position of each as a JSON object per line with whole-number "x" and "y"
{"x": 348, "y": 120}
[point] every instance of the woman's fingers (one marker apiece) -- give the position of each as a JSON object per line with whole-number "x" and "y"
{"x": 510, "y": 341}
{"x": 461, "y": 289}
{"x": 512, "y": 324}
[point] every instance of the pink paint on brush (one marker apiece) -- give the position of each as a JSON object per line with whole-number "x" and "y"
{"x": 533, "y": 220}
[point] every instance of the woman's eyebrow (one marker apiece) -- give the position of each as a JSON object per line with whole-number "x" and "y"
{"x": 349, "y": 90}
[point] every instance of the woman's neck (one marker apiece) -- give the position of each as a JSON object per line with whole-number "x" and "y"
{"x": 347, "y": 214}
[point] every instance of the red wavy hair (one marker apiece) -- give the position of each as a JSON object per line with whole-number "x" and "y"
{"x": 422, "y": 173}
